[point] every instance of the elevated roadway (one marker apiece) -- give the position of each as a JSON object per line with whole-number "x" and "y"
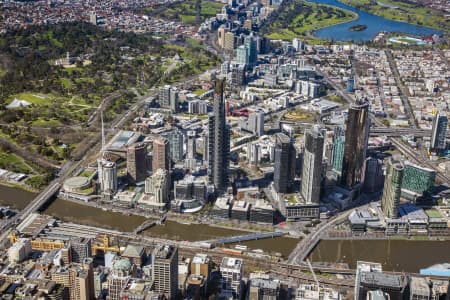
{"x": 306, "y": 245}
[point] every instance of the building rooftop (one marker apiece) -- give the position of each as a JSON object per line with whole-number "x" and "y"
{"x": 163, "y": 252}
{"x": 376, "y": 295}
{"x": 282, "y": 138}
{"x": 122, "y": 264}
{"x": 261, "y": 204}
{"x": 433, "y": 214}
{"x": 413, "y": 213}
{"x": 419, "y": 286}
{"x": 133, "y": 251}
{"x": 410, "y": 164}
{"x": 195, "y": 279}
{"x": 365, "y": 266}
{"x": 437, "y": 270}
{"x": 231, "y": 263}
{"x": 201, "y": 258}
{"x": 241, "y": 206}
{"x": 264, "y": 283}
{"x": 382, "y": 279}
{"x": 222, "y": 203}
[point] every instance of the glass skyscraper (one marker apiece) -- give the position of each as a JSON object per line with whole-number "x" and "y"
{"x": 356, "y": 137}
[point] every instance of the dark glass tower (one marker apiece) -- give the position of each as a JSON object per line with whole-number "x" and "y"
{"x": 356, "y": 136}
{"x": 438, "y": 133}
{"x": 285, "y": 160}
{"x": 218, "y": 140}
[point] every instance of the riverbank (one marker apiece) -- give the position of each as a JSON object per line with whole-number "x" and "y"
{"x": 402, "y": 12}
{"x": 398, "y": 255}
{"x": 24, "y": 187}
{"x": 301, "y": 18}
{"x": 87, "y": 215}
{"x": 175, "y": 217}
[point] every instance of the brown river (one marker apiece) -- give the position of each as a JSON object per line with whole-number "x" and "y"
{"x": 398, "y": 255}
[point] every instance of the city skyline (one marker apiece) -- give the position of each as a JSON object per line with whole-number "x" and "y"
{"x": 274, "y": 149}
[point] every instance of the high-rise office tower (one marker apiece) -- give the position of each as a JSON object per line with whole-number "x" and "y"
{"x": 175, "y": 138}
{"x": 80, "y": 249}
{"x": 164, "y": 96}
{"x": 438, "y": 132}
{"x": 161, "y": 151}
{"x": 284, "y": 169}
{"x": 417, "y": 181}
{"x": 190, "y": 162}
{"x": 168, "y": 98}
{"x": 157, "y": 185}
{"x": 78, "y": 279}
{"x": 263, "y": 288}
{"x": 312, "y": 165}
{"x": 338, "y": 150}
{"x": 356, "y": 137}
{"x": 137, "y": 162}
{"x": 218, "y": 140}
{"x": 173, "y": 103}
{"x": 392, "y": 189}
{"x": 254, "y": 153}
{"x": 250, "y": 44}
{"x": 231, "y": 271}
{"x": 107, "y": 176}
{"x": 221, "y": 36}
{"x": 363, "y": 267}
{"x": 373, "y": 175}
{"x": 242, "y": 55}
{"x": 230, "y": 41}
{"x": 165, "y": 270}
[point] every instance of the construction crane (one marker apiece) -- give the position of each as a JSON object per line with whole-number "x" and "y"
{"x": 39, "y": 244}
{"x": 104, "y": 246}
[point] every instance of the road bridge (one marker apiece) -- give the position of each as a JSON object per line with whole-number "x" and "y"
{"x": 306, "y": 245}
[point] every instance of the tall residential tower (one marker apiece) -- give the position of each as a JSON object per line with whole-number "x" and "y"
{"x": 284, "y": 169}
{"x": 312, "y": 165}
{"x": 356, "y": 137}
{"x": 392, "y": 189}
{"x": 438, "y": 133}
{"x": 218, "y": 140}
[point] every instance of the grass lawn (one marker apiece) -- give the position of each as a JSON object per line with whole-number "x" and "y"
{"x": 53, "y": 40}
{"x": 86, "y": 173}
{"x": 403, "y": 11}
{"x": 301, "y": 18}
{"x": 66, "y": 83}
{"x": 337, "y": 99}
{"x": 34, "y": 98}
{"x": 199, "y": 92}
{"x": 46, "y": 123}
{"x": 299, "y": 115}
{"x": 185, "y": 11}
{"x": 73, "y": 69}
{"x": 12, "y": 162}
